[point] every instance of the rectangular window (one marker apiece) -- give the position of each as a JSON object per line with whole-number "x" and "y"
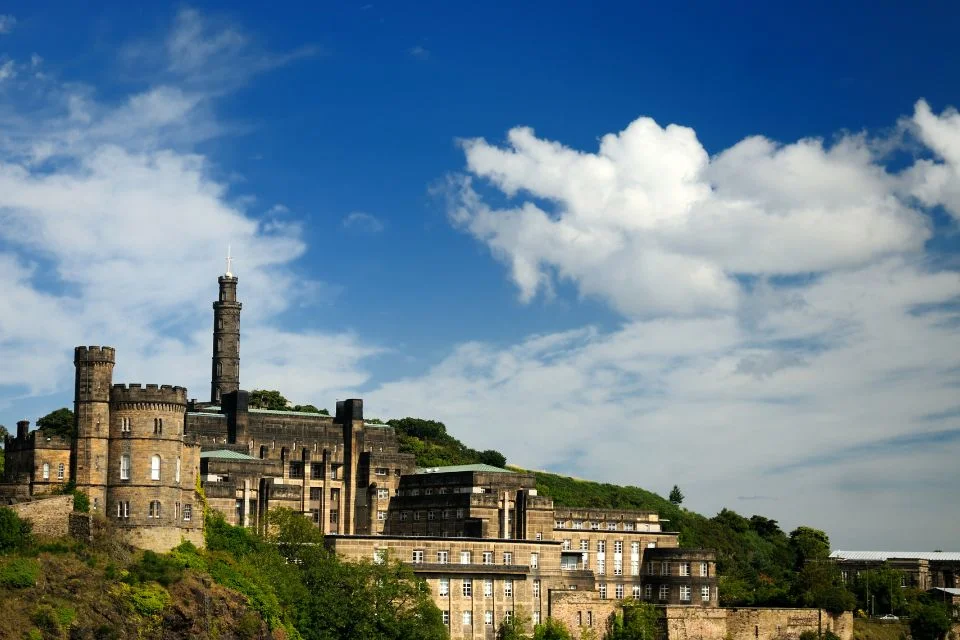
{"x": 601, "y": 546}
{"x": 383, "y": 494}
{"x": 602, "y": 588}
{"x": 442, "y": 557}
{"x": 431, "y": 515}
{"x": 558, "y": 524}
{"x": 595, "y": 526}
{"x": 618, "y": 591}
{"x": 536, "y": 617}
{"x": 685, "y": 593}
{"x": 601, "y": 566}
{"x": 508, "y": 588}
{"x": 125, "y": 425}
{"x": 703, "y": 569}
{"x": 296, "y": 469}
{"x": 316, "y": 471}
{"x": 534, "y": 560}
{"x": 664, "y": 568}
{"x": 634, "y": 567}
{"x": 381, "y": 471}
{"x": 589, "y": 618}
{"x": 487, "y": 557}
{"x": 611, "y": 526}
{"x": 685, "y": 568}
{"x": 466, "y": 557}
{"x": 618, "y": 546}
{"x": 446, "y": 617}
{"x": 651, "y": 570}
{"x": 578, "y": 524}
{"x": 664, "y": 592}
{"x": 488, "y": 588}
{"x": 507, "y": 557}
{"x": 188, "y": 512}
{"x": 459, "y": 514}
{"x": 60, "y": 471}
{"x": 154, "y": 509}
{"x": 467, "y": 587}
{"x": 316, "y": 493}
{"x": 648, "y": 591}
{"x": 536, "y": 588}
{"x": 539, "y": 535}
{"x": 418, "y": 556}
{"x": 584, "y": 545}
{"x": 618, "y": 567}
{"x": 566, "y": 544}
{"x": 444, "y": 587}
{"x": 508, "y": 616}
{"x": 705, "y": 594}
{"x": 46, "y": 470}
{"x": 124, "y": 467}
{"x": 636, "y": 592}
{"x": 334, "y": 516}
{"x": 417, "y": 515}
{"x": 177, "y": 474}
{"x": 488, "y": 617}
{"x": 155, "y": 467}
{"x": 381, "y": 515}
{"x": 404, "y": 515}
{"x": 467, "y": 617}
{"x": 628, "y": 526}
{"x": 635, "y": 548}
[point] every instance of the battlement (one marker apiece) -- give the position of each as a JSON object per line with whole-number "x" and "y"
{"x": 94, "y": 354}
{"x": 151, "y": 393}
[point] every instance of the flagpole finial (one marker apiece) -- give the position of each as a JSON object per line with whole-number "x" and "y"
{"x": 229, "y": 260}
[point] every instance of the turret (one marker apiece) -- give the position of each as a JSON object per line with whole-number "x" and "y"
{"x": 88, "y": 457}
{"x": 23, "y": 427}
{"x": 225, "y": 376}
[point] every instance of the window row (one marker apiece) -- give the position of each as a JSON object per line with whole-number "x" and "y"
{"x": 467, "y": 617}
{"x": 126, "y": 424}
{"x": 683, "y": 568}
{"x": 466, "y": 557}
{"x": 155, "y": 510}
{"x": 605, "y": 526}
{"x": 156, "y": 467}
{"x": 466, "y": 587}
{"x": 61, "y": 471}
{"x": 445, "y": 514}
{"x": 685, "y": 592}
{"x": 601, "y": 546}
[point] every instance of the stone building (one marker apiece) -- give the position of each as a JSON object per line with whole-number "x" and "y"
{"x": 36, "y": 462}
{"x": 922, "y": 570}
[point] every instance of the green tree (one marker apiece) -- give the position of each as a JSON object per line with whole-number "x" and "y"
{"x": 493, "y": 458}
{"x": 880, "y": 586}
{"x": 637, "y": 621}
{"x": 59, "y": 422}
{"x": 818, "y": 584}
{"x": 551, "y": 630}
{"x": 3, "y": 434}
{"x": 514, "y": 627}
{"x": 808, "y": 545}
{"x": 676, "y": 496}
{"x": 929, "y": 621}
{"x": 14, "y": 532}
{"x": 309, "y": 408}
{"x": 272, "y": 400}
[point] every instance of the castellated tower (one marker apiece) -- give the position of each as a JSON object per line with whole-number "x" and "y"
{"x": 226, "y": 340}
{"x": 89, "y": 457}
{"x": 153, "y": 467}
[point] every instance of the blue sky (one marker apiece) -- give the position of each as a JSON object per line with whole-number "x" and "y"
{"x": 652, "y": 245}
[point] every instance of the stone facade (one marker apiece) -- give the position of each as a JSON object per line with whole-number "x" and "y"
{"x": 37, "y": 460}
{"x": 687, "y": 623}
{"x": 921, "y": 569}
{"x": 50, "y": 516}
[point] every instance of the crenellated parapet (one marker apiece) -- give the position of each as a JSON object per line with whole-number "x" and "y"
{"x": 94, "y": 354}
{"x": 151, "y": 394}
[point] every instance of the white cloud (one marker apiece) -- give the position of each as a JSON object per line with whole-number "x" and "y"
{"x": 786, "y": 334}
{"x": 7, "y": 23}
{"x": 360, "y": 221}
{"x": 112, "y": 229}
{"x": 653, "y": 225}
{"x": 418, "y": 52}
{"x": 8, "y": 70}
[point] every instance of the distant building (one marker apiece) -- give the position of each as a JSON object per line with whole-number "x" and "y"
{"x": 922, "y": 570}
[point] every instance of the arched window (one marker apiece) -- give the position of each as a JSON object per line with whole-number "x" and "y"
{"x": 46, "y": 470}
{"x": 178, "y": 469}
{"x": 124, "y": 467}
{"x": 155, "y": 467}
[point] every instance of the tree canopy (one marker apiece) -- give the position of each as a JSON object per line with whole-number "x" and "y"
{"x": 273, "y": 400}
{"x": 676, "y": 496}
{"x": 60, "y": 422}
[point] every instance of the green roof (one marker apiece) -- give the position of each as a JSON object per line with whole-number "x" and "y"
{"x": 460, "y": 468}
{"x": 226, "y": 454}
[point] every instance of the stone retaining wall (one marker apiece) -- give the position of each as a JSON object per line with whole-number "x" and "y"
{"x": 49, "y": 516}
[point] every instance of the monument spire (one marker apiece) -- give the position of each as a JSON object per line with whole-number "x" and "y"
{"x": 229, "y": 261}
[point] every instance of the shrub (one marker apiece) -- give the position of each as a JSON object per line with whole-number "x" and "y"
{"x": 81, "y": 503}
{"x": 808, "y": 635}
{"x": 156, "y": 568}
{"x": 14, "y": 532}
{"x": 53, "y": 620}
{"x": 19, "y": 573}
{"x": 144, "y": 599}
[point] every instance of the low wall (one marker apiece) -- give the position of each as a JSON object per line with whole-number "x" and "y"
{"x": 696, "y": 623}
{"x": 581, "y": 610}
{"x": 160, "y": 539}
{"x": 50, "y": 517}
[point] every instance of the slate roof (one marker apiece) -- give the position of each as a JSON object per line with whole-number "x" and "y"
{"x": 907, "y": 555}
{"x": 460, "y": 468}
{"x": 226, "y": 454}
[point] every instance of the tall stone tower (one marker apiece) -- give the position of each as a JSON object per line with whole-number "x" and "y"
{"x": 226, "y": 339}
{"x": 89, "y": 460}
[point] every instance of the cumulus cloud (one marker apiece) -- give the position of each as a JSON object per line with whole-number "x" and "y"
{"x": 113, "y": 228}
{"x": 7, "y": 23}
{"x": 360, "y": 221}
{"x": 784, "y": 326}
{"x": 419, "y": 52}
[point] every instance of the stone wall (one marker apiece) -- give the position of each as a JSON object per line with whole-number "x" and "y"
{"x": 160, "y": 539}
{"x": 581, "y": 611}
{"x": 49, "y": 516}
{"x": 695, "y": 623}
